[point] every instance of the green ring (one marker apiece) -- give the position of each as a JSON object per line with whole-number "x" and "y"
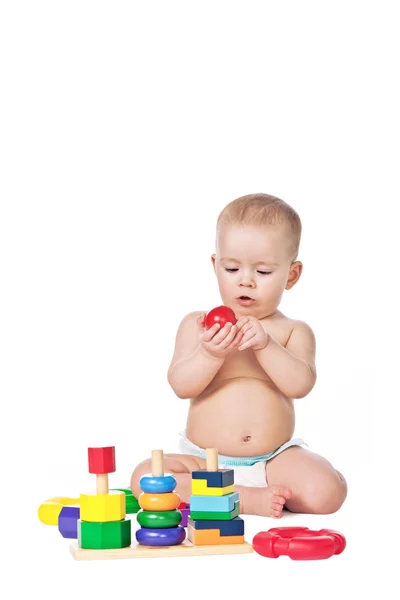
{"x": 132, "y": 505}
{"x": 159, "y": 519}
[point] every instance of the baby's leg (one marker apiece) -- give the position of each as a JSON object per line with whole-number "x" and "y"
{"x": 316, "y": 487}
{"x": 179, "y": 465}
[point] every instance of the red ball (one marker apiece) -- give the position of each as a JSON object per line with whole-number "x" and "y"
{"x": 221, "y": 315}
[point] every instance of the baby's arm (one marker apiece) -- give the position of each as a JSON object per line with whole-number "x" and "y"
{"x": 193, "y": 367}
{"x": 291, "y": 368}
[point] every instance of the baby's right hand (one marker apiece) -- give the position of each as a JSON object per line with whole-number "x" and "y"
{"x": 218, "y": 342}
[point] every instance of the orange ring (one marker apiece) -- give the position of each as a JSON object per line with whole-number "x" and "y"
{"x": 167, "y": 501}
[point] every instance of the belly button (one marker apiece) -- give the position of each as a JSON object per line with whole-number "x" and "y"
{"x": 247, "y": 438}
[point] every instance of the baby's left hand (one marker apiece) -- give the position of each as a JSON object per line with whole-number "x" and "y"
{"x": 254, "y": 334}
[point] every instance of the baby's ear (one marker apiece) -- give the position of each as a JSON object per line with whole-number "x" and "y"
{"x": 295, "y": 271}
{"x": 213, "y": 260}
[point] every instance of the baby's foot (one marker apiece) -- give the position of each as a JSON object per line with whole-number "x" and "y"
{"x": 266, "y": 501}
{"x": 274, "y": 500}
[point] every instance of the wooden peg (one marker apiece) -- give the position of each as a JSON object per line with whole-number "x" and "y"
{"x": 102, "y": 462}
{"x": 102, "y": 483}
{"x": 211, "y": 459}
{"x": 157, "y": 463}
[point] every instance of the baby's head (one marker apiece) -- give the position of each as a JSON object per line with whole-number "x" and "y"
{"x": 257, "y": 245}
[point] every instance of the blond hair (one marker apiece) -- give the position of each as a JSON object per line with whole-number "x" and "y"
{"x": 262, "y": 210}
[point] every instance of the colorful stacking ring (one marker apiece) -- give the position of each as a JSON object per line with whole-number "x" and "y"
{"x": 159, "y": 520}
{"x": 161, "y": 537}
{"x": 157, "y": 485}
{"x": 132, "y": 505}
{"x": 156, "y": 502}
{"x": 49, "y": 511}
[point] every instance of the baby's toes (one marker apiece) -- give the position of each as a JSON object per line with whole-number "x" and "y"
{"x": 276, "y": 510}
{"x": 278, "y": 501}
{"x": 280, "y": 490}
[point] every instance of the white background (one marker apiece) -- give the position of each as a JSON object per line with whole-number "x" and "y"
{"x": 125, "y": 129}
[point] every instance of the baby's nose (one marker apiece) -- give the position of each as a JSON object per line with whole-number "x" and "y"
{"x": 247, "y": 282}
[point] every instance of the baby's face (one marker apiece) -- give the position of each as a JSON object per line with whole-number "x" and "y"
{"x": 252, "y": 265}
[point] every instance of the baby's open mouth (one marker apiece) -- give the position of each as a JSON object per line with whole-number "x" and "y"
{"x": 245, "y": 298}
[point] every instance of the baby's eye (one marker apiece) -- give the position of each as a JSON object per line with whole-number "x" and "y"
{"x": 231, "y": 270}
{"x": 264, "y": 272}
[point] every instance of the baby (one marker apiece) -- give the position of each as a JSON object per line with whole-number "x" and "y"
{"x": 242, "y": 379}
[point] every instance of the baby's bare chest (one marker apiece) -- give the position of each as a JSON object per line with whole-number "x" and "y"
{"x": 245, "y": 364}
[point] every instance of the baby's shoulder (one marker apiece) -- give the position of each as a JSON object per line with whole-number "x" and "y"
{"x": 192, "y": 317}
{"x": 291, "y": 325}
{"x": 188, "y": 323}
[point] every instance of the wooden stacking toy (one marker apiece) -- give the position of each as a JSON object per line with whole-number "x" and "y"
{"x": 102, "y": 524}
{"x": 214, "y": 506}
{"x": 159, "y": 518}
{"x": 214, "y": 526}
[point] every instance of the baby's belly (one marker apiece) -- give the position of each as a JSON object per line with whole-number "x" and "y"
{"x": 243, "y": 416}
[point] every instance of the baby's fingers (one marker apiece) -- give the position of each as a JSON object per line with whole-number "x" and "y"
{"x": 227, "y": 341}
{"x": 247, "y": 334}
{"x": 201, "y": 320}
{"x": 242, "y": 321}
{"x": 237, "y": 340}
{"x": 247, "y": 342}
{"x": 207, "y": 335}
{"x": 223, "y": 335}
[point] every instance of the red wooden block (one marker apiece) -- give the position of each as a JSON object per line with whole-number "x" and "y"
{"x": 102, "y": 460}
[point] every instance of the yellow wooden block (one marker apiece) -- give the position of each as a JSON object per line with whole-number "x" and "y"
{"x": 103, "y": 507}
{"x": 200, "y": 488}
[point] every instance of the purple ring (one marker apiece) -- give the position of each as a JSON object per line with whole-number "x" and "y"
{"x": 170, "y": 536}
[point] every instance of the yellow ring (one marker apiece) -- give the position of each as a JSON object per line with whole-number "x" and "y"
{"x": 49, "y": 511}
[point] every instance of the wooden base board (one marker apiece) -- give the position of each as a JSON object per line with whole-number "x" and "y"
{"x": 139, "y": 551}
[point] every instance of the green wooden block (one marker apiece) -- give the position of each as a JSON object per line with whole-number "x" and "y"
{"x": 216, "y": 516}
{"x": 102, "y": 536}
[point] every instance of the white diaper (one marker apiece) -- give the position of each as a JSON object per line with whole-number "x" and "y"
{"x": 250, "y": 475}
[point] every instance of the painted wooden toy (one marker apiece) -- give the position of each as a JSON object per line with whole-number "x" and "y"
{"x": 68, "y": 521}
{"x": 159, "y": 518}
{"x": 161, "y": 533}
{"x": 102, "y": 523}
{"x": 213, "y": 528}
{"x": 214, "y": 506}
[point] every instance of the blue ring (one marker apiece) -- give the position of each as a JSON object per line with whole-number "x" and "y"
{"x": 157, "y": 485}
{"x": 171, "y": 536}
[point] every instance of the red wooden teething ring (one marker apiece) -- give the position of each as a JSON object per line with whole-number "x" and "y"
{"x": 299, "y": 543}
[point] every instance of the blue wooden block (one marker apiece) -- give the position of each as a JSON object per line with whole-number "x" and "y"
{"x": 68, "y": 521}
{"x": 221, "y": 478}
{"x": 233, "y": 527}
{"x": 214, "y": 503}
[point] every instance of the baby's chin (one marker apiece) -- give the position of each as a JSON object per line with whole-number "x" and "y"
{"x": 251, "y": 311}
